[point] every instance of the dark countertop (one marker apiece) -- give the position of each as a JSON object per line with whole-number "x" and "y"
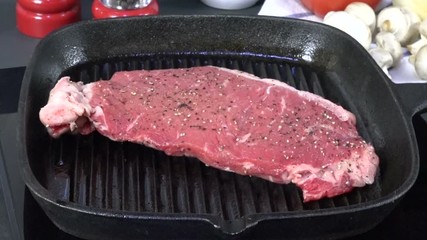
{"x": 16, "y": 48}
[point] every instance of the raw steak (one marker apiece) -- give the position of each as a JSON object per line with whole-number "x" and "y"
{"x": 228, "y": 119}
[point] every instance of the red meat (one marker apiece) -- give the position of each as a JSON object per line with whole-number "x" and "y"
{"x": 228, "y": 119}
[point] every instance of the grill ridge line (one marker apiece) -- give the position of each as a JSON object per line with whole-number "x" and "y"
{"x": 293, "y": 75}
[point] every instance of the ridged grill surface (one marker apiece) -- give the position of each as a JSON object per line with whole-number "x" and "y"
{"x": 96, "y": 172}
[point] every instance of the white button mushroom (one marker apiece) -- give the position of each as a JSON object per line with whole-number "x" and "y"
{"x": 422, "y": 28}
{"x": 364, "y": 12}
{"x": 388, "y": 42}
{"x": 420, "y": 63}
{"x": 383, "y": 59}
{"x": 413, "y": 48}
{"x": 351, "y": 25}
{"x": 400, "y": 21}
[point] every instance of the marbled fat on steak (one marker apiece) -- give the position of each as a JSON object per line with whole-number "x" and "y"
{"x": 228, "y": 119}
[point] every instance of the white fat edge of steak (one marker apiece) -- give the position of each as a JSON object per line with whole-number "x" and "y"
{"x": 299, "y": 174}
{"x": 361, "y": 173}
{"x": 67, "y": 109}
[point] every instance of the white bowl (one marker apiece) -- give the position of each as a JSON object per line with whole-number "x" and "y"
{"x": 230, "y": 4}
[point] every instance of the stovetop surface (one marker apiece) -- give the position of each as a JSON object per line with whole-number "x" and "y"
{"x": 22, "y": 218}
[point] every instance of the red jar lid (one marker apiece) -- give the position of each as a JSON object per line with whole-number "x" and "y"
{"x": 48, "y": 6}
{"x": 99, "y": 10}
{"x": 37, "y": 18}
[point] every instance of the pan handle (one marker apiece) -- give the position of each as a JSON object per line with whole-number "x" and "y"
{"x": 413, "y": 97}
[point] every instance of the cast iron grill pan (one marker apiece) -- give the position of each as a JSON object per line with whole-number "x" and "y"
{"x": 95, "y": 188}
{"x": 95, "y": 172}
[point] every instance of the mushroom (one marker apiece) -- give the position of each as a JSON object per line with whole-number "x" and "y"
{"x": 401, "y": 22}
{"x": 363, "y": 12}
{"x": 350, "y": 25}
{"x": 422, "y": 28}
{"x": 413, "y": 48}
{"x": 383, "y": 59}
{"x": 388, "y": 42}
{"x": 420, "y": 62}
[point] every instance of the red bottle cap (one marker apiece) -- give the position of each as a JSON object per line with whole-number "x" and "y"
{"x": 37, "y": 18}
{"x": 99, "y": 10}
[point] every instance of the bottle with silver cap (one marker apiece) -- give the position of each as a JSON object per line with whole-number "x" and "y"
{"x": 124, "y": 8}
